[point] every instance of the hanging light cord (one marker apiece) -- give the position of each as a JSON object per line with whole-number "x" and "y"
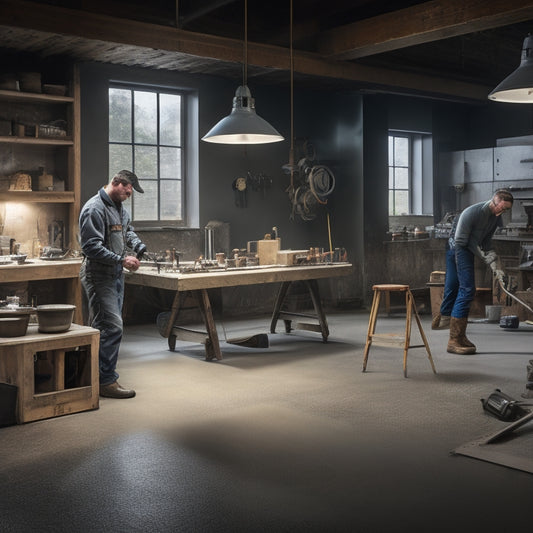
{"x": 245, "y": 63}
{"x": 291, "y": 155}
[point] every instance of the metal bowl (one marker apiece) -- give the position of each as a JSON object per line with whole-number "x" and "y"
{"x": 19, "y": 258}
{"x": 14, "y": 326}
{"x": 55, "y": 318}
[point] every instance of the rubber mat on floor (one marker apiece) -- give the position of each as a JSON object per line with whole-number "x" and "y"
{"x": 514, "y": 450}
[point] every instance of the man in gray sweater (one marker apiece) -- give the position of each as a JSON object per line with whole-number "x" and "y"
{"x": 471, "y": 235}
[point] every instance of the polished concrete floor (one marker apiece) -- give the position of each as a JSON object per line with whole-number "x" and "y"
{"x": 292, "y": 438}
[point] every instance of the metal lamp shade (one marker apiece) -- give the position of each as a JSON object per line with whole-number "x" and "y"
{"x": 242, "y": 125}
{"x": 518, "y": 86}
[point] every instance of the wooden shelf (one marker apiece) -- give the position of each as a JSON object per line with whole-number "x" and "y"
{"x": 64, "y": 197}
{"x": 17, "y": 96}
{"x": 44, "y": 141}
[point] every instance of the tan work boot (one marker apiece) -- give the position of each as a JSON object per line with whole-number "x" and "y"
{"x": 456, "y": 344}
{"x": 440, "y": 322}
{"x": 466, "y": 342}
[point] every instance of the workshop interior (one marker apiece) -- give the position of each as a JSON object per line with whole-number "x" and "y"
{"x": 304, "y": 165}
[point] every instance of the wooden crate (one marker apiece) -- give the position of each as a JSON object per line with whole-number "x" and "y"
{"x": 22, "y": 358}
{"x": 289, "y": 257}
{"x": 267, "y": 251}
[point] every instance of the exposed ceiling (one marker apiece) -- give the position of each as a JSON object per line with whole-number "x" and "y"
{"x": 443, "y": 48}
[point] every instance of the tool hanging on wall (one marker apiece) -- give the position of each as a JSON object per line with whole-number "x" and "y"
{"x": 310, "y": 185}
{"x": 239, "y": 187}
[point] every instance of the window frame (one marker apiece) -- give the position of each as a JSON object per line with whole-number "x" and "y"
{"x": 182, "y": 147}
{"x": 420, "y": 172}
{"x": 393, "y": 166}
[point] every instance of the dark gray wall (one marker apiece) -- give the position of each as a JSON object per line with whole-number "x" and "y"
{"x": 349, "y": 134}
{"x": 331, "y": 122}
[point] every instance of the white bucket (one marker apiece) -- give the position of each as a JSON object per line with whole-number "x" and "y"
{"x": 493, "y": 312}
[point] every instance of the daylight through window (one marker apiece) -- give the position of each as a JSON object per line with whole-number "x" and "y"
{"x": 399, "y": 174}
{"x": 146, "y": 136}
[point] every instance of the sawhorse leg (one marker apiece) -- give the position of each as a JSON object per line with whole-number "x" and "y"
{"x": 209, "y": 338}
{"x": 288, "y": 317}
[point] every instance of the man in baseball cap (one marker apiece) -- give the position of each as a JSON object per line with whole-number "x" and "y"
{"x": 126, "y": 176}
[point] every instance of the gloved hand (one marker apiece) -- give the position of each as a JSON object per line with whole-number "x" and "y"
{"x": 499, "y": 274}
{"x": 140, "y": 250}
{"x": 490, "y": 257}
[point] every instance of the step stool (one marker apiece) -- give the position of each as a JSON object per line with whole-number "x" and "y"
{"x": 396, "y": 340}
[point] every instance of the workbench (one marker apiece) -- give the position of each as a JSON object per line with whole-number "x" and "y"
{"x": 195, "y": 285}
{"x": 37, "y": 270}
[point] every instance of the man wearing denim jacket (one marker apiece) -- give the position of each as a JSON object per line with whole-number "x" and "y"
{"x": 471, "y": 235}
{"x": 106, "y": 237}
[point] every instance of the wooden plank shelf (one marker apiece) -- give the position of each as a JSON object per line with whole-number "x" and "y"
{"x": 43, "y": 141}
{"x": 60, "y": 197}
{"x": 18, "y": 96}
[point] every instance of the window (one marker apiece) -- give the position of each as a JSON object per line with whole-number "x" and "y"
{"x": 410, "y": 173}
{"x": 399, "y": 174}
{"x": 146, "y": 137}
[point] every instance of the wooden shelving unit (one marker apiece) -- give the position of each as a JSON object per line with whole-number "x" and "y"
{"x": 58, "y": 156}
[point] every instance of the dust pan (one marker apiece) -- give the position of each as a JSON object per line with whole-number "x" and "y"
{"x": 260, "y": 340}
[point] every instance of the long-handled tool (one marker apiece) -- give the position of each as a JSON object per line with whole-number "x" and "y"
{"x": 502, "y": 285}
{"x": 510, "y": 428}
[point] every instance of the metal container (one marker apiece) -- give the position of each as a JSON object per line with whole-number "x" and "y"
{"x": 14, "y": 326}
{"x": 55, "y": 318}
{"x": 493, "y": 312}
{"x": 209, "y": 244}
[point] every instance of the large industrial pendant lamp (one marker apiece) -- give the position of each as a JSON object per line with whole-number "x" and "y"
{"x": 243, "y": 125}
{"x": 518, "y": 86}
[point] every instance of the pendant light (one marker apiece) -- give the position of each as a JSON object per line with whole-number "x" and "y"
{"x": 243, "y": 125}
{"x": 518, "y": 86}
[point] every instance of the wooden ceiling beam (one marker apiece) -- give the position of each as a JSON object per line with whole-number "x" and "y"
{"x": 71, "y": 22}
{"x": 422, "y": 23}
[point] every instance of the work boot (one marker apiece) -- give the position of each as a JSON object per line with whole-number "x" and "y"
{"x": 529, "y": 390}
{"x": 440, "y": 322}
{"x": 115, "y": 390}
{"x": 456, "y": 344}
{"x": 466, "y": 342}
{"x": 530, "y": 371}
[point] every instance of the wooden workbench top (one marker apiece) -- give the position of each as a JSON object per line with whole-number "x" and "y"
{"x": 39, "y": 269}
{"x": 148, "y": 276}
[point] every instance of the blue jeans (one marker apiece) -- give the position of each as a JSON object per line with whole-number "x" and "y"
{"x": 105, "y": 296}
{"x": 459, "y": 284}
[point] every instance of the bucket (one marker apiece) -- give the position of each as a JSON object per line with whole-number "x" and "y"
{"x": 493, "y": 312}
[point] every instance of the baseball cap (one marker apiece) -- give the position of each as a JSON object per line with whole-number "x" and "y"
{"x": 130, "y": 177}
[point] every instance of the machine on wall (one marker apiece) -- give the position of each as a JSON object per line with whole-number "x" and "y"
{"x": 311, "y": 183}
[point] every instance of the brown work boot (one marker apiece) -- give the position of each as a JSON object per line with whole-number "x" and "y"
{"x": 440, "y": 322}
{"x": 115, "y": 390}
{"x": 456, "y": 344}
{"x": 466, "y": 342}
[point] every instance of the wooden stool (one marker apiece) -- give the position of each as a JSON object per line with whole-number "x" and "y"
{"x": 395, "y": 339}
